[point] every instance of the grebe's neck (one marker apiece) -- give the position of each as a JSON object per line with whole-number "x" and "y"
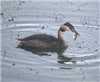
{"x": 62, "y": 38}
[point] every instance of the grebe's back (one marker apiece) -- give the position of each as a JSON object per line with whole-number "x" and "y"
{"x": 39, "y": 41}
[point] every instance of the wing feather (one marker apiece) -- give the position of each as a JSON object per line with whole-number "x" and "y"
{"x": 40, "y": 37}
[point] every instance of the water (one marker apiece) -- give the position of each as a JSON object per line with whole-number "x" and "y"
{"x": 78, "y": 63}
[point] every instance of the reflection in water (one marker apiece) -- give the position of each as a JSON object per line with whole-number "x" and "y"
{"x": 41, "y": 52}
{"x": 63, "y": 59}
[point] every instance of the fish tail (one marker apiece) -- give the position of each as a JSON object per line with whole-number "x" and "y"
{"x": 77, "y": 33}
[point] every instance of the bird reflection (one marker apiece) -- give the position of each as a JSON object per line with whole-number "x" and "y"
{"x": 63, "y": 59}
{"x": 45, "y": 52}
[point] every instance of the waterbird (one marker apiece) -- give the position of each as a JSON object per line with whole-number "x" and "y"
{"x": 42, "y": 41}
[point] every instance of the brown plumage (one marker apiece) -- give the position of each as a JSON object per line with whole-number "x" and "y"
{"x": 39, "y": 41}
{"x": 48, "y": 41}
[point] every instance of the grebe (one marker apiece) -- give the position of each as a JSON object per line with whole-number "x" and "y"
{"x": 42, "y": 41}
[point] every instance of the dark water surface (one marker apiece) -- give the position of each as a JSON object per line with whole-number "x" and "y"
{"x": 78, "y": 63}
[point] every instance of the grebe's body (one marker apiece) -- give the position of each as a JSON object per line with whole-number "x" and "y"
{"x": 48, "y": 41}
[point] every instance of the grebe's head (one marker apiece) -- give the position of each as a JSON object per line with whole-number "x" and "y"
{"x": 69, "y": 27}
